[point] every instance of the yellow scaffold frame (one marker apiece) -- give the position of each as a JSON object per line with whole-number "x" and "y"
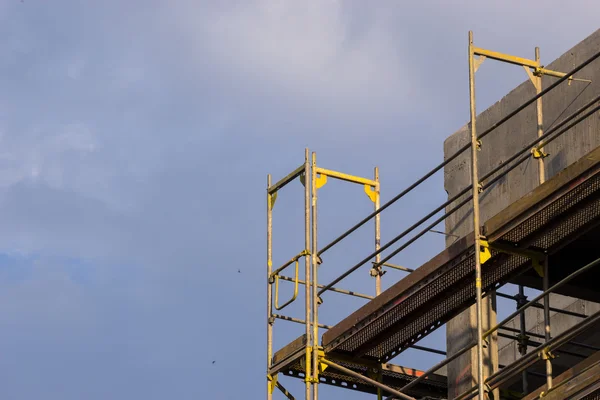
{"x": 314, "y": 355}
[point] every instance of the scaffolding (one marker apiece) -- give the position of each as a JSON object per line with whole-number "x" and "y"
{"x": 355, "y": 353}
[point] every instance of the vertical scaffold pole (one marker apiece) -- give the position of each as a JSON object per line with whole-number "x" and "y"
{"x": 315, "y": 282}
{"x": 378, "y": 256}
{"x": 521, "y": 300}
{"x": 270, "y": 319}
{"x": 547, "y": 336}
{"x": 475, "y": 184}
{"x": 542, "y": 175}
{"x": 540, "y": 118}
{"x": 307, "y": 260}
{"x": 377, "y": 234}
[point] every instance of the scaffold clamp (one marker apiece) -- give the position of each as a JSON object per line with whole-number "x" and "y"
{"x": 272, "y": 382}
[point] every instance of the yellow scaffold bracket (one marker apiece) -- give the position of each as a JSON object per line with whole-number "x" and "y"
{"x": 371, "y": 192}
{"x": 272, "y": 382}
{"x": 320, "y": 181}
{"x": 535, "y": 256}
{"x": 538, "y": 153}
{"x": 322, "y": 366}
{"x": 271, "y": 200}
{"x": 547, "y": 354}
{"x": 484, "y": 251}
{"x": 538, "y": 267}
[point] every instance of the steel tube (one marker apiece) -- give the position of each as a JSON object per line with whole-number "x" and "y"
{"x": 429, "y": 350}
{"x": 298, "y": 321}
{"x": 285, "y": 392}
{"x": 333, "y": 289}
{"x": 366, "y": 379}
{"x": 315, "y": 281}
{"x": 269, "y": 284}
{"x": 287, "y": 264}
{"x": 346, "y": 177}
{"x": 284, "y": 181}
{"x": 377, "y": 236}
{"x": 398, "y": 267}
{"x": 523, "y": 331}
{"x": 476, "y": 227}
{"x": 307, "y": 261}
{"x": 540, "y": 117}
{"x": 547, "y": 331}
{"x": 460, "y": 151}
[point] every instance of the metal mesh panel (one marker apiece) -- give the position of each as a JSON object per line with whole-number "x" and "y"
{"x": 555, "y": 209}
{"x": 567, "y": 227}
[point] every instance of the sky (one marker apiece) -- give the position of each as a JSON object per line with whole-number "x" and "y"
{"x": 135, "y": 141}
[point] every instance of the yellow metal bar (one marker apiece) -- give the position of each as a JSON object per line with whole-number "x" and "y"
{"x": 307, "y": 261}
{"x": 475, "y": 185}
{"x": 270, "y": 319}
{"x": 277, "y": 307}
{"x": 342, "y": 291}
{"x": 315, "y": 281}
{"x": 346, "y": 177}
{"x": 287, "y": 264}
{"x": 505, "y": 57}
{"x": 286, "y": 180}
{"x": 556, "y": 74}
{"x": 377, "y": 240}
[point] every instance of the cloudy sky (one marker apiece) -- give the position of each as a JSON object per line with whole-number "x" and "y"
{"x": 135, "y": 140}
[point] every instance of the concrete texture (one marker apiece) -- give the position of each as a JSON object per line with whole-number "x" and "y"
{"x": 500, "y": 145}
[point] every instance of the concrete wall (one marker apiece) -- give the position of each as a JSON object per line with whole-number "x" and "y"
{"x": 503, "y": 143}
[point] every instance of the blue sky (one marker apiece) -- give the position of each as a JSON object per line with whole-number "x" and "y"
{"x": 135, "y": 140}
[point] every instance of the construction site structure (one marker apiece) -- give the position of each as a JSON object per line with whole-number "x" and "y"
{"x": 516, "y": 213}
